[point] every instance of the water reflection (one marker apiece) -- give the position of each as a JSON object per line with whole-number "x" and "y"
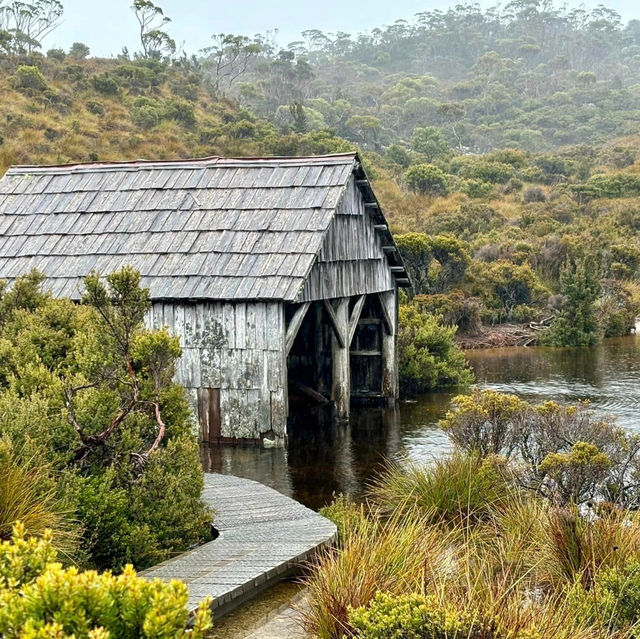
{"x": 607, "y": 375}
{"x": 325, "y": 457}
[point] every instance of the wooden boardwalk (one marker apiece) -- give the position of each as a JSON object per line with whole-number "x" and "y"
{"x": 264, "y": 536}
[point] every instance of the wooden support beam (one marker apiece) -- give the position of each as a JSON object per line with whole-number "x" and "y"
{"x": 380, "y": 227}
{"x": 390, "y": 387}
{"x": 386, "y": 318}
{"x": 355, "y": 318}
{"x": 341, "y": 383}
{"x": 295, "y": 324}
{"x": 335, "y": 324}
{"x": 362, "y": 182}
{"x": 371, "y": 205}
{"x": 312, "y": 394}
{"x": 397, "y": 269}
{"x": 403, "y": 281}
{"x": 389, "y": 249}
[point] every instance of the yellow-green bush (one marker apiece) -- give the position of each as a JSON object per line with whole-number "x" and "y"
{"x": 613, "y": 600}
{"x": 410, "y": 617}
{"x": 39, "y": 599}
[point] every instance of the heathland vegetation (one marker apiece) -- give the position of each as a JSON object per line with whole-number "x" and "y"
{"x": 95, "y": 438}
{"x": 503, "y": 147}
{"x": 529, "y": 529}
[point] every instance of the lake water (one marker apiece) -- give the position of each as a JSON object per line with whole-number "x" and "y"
{"x": 325, "y": 458}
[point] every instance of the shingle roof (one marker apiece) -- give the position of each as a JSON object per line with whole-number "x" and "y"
{"x": 215, "y": 228}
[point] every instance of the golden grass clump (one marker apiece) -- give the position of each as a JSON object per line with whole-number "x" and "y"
{"x": 397, "y": 555}
{"x": 27, "y": 496}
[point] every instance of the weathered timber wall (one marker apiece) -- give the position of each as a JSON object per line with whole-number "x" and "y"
{"x": 351, "y": 260}
{"x": 233, "y": 365}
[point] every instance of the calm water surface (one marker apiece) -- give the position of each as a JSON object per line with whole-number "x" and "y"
{"x": 325, "y": 458}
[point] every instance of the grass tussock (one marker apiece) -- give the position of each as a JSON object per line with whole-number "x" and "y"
{"x": 397, "y": 555}
{"x": 27, "y": 496}
{"x": 453, "y": 490}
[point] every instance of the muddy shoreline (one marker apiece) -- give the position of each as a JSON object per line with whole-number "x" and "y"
{"x": 500, "y": 336}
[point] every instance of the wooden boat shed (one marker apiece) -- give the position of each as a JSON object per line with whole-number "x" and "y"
{"x": 276, "y": 273}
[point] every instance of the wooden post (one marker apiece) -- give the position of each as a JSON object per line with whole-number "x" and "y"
{"x": 390, "y": 385}
{"x": 341, "y": 384}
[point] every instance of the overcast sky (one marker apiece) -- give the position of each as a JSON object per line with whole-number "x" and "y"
{"x": 108, "y": 25}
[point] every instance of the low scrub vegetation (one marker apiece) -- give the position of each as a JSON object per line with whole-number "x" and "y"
{"x": 528, "y": 529}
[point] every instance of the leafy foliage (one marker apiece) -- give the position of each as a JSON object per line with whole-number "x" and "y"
{"x": 473, "y": 571}
{"x": 89, "y": 391}
{"x": 613, "y": 600}
{"x": 427, "y": 179}
{"x": 563, "y": 452}
{"x": 40, "y": 598}
{"x": 411, "y": 616}
{"x": 428, "y": 356}
{"x": 576, "y": 324}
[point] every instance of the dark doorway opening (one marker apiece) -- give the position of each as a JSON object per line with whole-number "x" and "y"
{"x": 310, "y": 362}
{"x": 366, "y": 354}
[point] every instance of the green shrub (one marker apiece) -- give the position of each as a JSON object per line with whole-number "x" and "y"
{"x": 576, "y": 323}
{"x": 398, "y": 155}
{"x": 612, "y": 185}
{"x": 410, "y": 617}
{"x": 514, "y": 157}
{"x": 79, "y": 51}
{"x": 617, "y": 309}
{"x": 613, "y": 600}
{"x": 146, "y": 113}
{"x": 486, "y": 422}
{"x": 56, "y": 54}
{"x": 136, "y": 77}
{"x": 434, "y": 263}
{"x": 476, "y": 188}
{"x": 181, "y": 111}
{"x": 105, "y": 83}
{"x": 114, "y": 480}
{"x": 95, "y": 107}
{"x": 567, "y": 454}
{"x": 429, "y": 142}
{"x": 29, "y": 77}
{"x": 455, "y": 308}
{"x": 347, "y": 515}
{"x": 553, "y": 167}
{"x": 396, "y": 555}
{"x": 534, "y": 194}
{"x": 39, "y": 598}
{"x": 428, "y": 356}
{"x": 504, "y": 286}
{"x": 427, "y": 179}
{"x": 469, "y": 219}
{"x": 487, "y": 171}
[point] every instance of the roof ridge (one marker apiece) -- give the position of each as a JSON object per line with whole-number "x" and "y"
{"x": 205, "y": 162}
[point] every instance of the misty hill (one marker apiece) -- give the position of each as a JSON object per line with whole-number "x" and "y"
{"x": 528, "y": 75}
